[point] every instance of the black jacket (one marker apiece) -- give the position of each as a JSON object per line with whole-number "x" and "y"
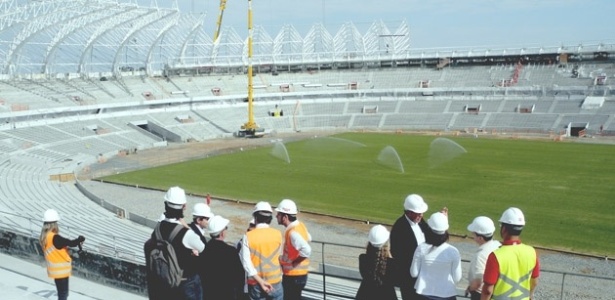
{"x": 369, "y": 289}
{"x": 224, "y": 276}
{"x": 403, "y": 245}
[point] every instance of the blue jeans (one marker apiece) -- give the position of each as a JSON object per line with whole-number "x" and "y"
{"x": 62, "y": 288}
{"x": 191, "y": 288}
{"x": 256, "y": 293}
{"x": 293, "y": 286}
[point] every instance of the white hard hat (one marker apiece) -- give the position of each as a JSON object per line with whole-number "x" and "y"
{"x": 378, "y": 235}
{"x": 438, "y": 222}
{"x": 217, "y": 224}
{"x": 287, "y": 206}
{"x": 176, "y": 197}
{"x": 482, "y": 225}
{"x": 263, "y": 206}
{"x": 513, "y": 216}
{"x": 51, "y": 215}
{"x": 415, "y": 203}
{"x": 202, "y": 210}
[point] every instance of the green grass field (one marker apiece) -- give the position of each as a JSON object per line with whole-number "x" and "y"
{"x": 566, "y": 190}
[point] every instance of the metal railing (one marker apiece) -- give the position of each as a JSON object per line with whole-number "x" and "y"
{"x": 334, "y": 273}
{"x": 340, "y": 262}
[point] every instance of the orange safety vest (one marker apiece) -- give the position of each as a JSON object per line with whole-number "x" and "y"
{"x": 290, "y": 253}
{"x": 265, "y": 245}
{"x": 58, "y": 260}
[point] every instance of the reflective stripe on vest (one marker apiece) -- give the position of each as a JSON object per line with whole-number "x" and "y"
{"x": 265, "y": 245}
{"x": 517, "y": 262}
{"x": 290, "y": 253}
{"x": 58, "y": 260}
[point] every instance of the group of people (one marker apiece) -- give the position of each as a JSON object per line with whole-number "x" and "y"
{"x": 416, "y": 257}
{"x": 270, "y": 265}
{"x": 264, "y": 264}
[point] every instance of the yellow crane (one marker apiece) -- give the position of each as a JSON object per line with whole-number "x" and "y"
{"x": 219, "y": 22}
{"x": 250, "y": 129}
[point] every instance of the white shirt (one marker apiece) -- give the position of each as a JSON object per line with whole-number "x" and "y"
{"x": 191, "y": 240}
{"x": 297, "y": 241}
{"x": 437, "y": 269}
{"x": 479, "y": 261}
{"x": 418, "y": 233}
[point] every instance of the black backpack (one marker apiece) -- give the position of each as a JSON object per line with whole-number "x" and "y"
{"x": 162, "y": 260}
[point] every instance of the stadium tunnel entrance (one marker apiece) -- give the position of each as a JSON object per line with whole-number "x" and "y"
{"x": 151, "y": 129}
{"x": 578, "y": 129}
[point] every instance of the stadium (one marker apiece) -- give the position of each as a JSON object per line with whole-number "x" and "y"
{"x": 84, "y": 82}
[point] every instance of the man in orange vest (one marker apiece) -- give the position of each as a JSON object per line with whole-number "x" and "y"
{"x": 260, "y": 254}
{"x": 295, "y": 259}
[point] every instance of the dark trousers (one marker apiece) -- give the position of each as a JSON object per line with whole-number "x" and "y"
{"x": 62, "y": 288}
{"x": 474, "y": 296}
{"x": 191, "y": 288}
{"x": 437, "y": 298}
{"x": 408, "y": 292}
{"x": 293, "y": 286}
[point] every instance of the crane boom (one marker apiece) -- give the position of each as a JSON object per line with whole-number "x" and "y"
{"x": 219, "y": 22}
{"x": 250, "y": 128}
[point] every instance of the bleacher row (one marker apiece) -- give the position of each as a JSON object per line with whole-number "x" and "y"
{"x": 34, "y": 150}
{"x": 26, "y": 191}
{"x": 31, "y": 94}
{"x": 110, "y": 132}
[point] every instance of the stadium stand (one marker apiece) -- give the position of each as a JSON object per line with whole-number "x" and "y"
{"x": 110, "y": 87}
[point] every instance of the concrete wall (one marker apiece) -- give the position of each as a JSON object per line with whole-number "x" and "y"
{"x": 116, "y": 209}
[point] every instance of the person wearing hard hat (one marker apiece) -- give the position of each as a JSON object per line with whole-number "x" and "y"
{"x": 260, "y": 253}
{"x": 187, "y": 245}
{"x": 224, "y": 275}
{"x": 512, "y": 270}
{"x": 406, "y": 234}
{"x": 295, "y": 259}
{"x": 436, "y": 263}
{"x": 201, "y": 213}
{"x": 375, "y": 267}
{"x": 55, "y": 249}
{"x": 482, "y": 229}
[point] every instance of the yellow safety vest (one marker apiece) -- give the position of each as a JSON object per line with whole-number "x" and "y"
{"x": 58, "y": 260}
{"x": 265, "y": 245}
{"x": 290, "y": 253}
{"x": 517, "y": 262}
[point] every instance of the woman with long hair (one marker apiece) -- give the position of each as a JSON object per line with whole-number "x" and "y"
{"x": 55, "y": 249}
{"x": 436, "y": 263}
{"x": 375, "y": 267}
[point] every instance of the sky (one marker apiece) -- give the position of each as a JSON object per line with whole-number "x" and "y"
{"x": 433, "y": 23}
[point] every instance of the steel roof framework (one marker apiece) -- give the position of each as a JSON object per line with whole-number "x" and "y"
{"x": 67, "y": 34}
{"x": 93, "y": 37}
{"x": 31, "y": 33}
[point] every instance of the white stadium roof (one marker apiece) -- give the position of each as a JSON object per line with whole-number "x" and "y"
{"x": 107, "y": 37}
